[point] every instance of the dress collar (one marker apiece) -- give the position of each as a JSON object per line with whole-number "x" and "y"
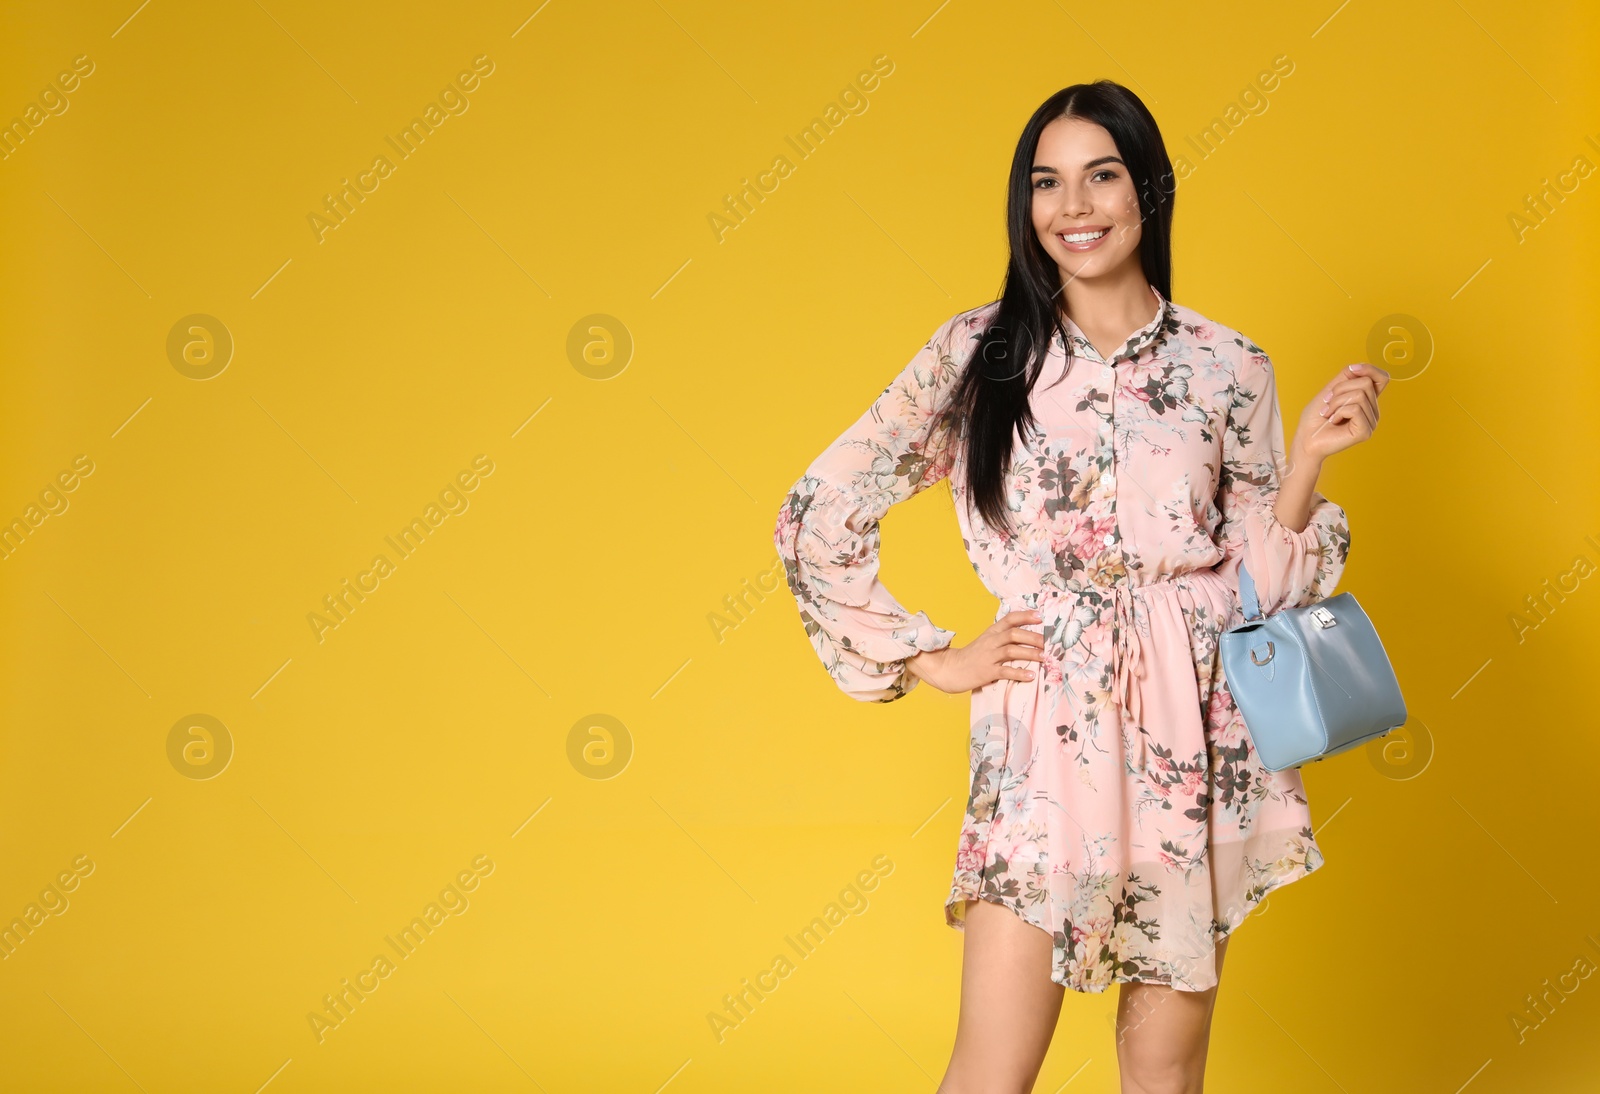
{"x": 1137, "y": 341}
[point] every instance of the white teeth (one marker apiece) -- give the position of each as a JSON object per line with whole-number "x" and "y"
{"x": 1083, "y": 237}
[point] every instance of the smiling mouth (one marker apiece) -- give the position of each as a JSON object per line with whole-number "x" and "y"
{"x": 1085, "y": 240}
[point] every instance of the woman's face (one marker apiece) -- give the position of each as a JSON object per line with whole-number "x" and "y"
{"x": 1082, "y": 189}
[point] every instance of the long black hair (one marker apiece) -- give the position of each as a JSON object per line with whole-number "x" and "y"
{"x": 988, "y": 407}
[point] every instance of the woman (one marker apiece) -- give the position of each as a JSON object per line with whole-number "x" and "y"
{"x": 1115, "y": 458}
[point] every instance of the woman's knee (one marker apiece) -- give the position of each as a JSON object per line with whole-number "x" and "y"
{"x": 1162, "y": 1036}
{"x": 960, "y": 1079}
{"x": 1160, "y": 1076}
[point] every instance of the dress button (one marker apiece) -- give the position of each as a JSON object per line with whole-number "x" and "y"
{"x": 1111, "y": 538}
{"x": 1111, "y": 482}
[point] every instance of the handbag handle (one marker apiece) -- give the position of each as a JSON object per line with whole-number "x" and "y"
{"x": 1247, "y": 595}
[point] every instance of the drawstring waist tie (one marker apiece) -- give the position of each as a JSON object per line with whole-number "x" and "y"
{"x": 1127, "y": 649}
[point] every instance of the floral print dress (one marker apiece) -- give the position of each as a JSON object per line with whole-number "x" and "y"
{"x": 1115, "y": 800}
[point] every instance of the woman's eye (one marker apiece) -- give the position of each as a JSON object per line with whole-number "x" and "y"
{"x": 1109, "y": 175}
{"x": 1040, "y": 184}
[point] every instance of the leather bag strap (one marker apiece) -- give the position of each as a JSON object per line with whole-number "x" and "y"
{"x": 1247, "y": 595}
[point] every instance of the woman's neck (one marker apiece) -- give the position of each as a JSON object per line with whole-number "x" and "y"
{"x": 1108, "y": 312}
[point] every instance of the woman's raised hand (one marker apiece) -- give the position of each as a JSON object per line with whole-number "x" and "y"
{"x": 983, "y": 660}
{"x": 1343, "y": 413}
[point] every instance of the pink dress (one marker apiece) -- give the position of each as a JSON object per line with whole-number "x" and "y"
{"x": 1115, "y": 800}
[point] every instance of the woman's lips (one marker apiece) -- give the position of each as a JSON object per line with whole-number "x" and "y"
{"x": 1079, "y": 248}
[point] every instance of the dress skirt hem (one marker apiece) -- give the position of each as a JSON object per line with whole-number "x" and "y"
{"x": 1096, "y": 976}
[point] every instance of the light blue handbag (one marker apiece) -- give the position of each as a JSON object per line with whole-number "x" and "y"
{"x": 1311, "y": 681}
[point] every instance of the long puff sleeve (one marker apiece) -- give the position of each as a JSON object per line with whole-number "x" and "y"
{"x": 827, "y": 531}
{"x": 1290, "y": 569}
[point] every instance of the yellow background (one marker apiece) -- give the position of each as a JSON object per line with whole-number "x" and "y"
{"x": 436, "y": 723}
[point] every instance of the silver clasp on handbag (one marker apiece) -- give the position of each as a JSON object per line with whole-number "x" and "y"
{"x": 1323, "y": 616}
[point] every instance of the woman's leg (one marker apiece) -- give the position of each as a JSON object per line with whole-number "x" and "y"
{"x": 1009, "y": 1004}
{"x": 1163, "y": 1034}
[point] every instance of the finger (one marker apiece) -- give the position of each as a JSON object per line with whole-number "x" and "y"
{"x": 1015, "y": 674}
{"x": 1364, "y": 398}
{"x": 1019, "y": 652}
{"x": 1331, "y": 398}
{"x": 1380, "y": 377}
{"x": 1370, "y": 413}
{"x": 1354, "y": 412}
{"x": 1340, "y": 414}
{"x": 1354, "y": 383}
{"x": 1022, "y": 615}
{"x": 1348, "y": 398}
{"x": 1360, "y": 383}
{"x": 1032, "y": 638}
{"x": 1369, "y": 400}
{"x": 1347, "y": 425}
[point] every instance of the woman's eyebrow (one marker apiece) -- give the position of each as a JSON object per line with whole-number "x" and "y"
{"x": 1086, "y": 167}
